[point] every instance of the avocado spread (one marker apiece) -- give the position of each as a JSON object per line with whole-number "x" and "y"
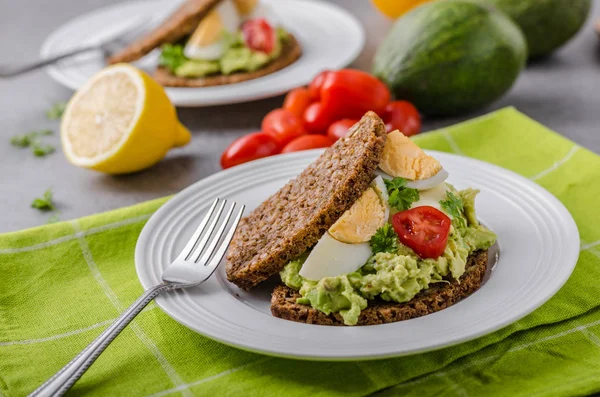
{"x": 396, "y": 277}
{"x": 236, "y": 58}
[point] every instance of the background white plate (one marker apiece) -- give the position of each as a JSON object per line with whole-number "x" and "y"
{"x": 330, "y": 37}
{"x": 538, "y": 240}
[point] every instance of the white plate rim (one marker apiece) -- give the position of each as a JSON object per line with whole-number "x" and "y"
{"x": 56, "y": 72}
{"x": 572, "y": 255}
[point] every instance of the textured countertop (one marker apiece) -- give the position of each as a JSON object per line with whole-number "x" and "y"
{"x": 562, "y": 92}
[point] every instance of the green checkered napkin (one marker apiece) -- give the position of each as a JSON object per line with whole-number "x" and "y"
{"x": 62, "y": 284}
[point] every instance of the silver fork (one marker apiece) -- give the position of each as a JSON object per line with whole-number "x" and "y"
{"x": 108, "y": 46}
{"x": 194, "y": 265}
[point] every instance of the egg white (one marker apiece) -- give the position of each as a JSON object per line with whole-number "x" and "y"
{"x": 212, "y": 52}
{"x": 331, "y": 257}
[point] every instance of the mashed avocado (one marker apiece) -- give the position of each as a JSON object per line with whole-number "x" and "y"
{"x": 237, "y": 58}
{"x": 396, "y": 277}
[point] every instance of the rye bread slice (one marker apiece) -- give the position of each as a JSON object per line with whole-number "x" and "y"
{"x": 437, "y": 297}
{"x": 293, "y": 219}
{"x": 290, "y": 52}
{"x": 179, "y": 24}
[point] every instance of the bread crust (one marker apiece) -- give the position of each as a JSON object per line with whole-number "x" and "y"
{"x": 292, "y": 220}
{"x": 437, "y": 297}
{"x": 290, "y": 52}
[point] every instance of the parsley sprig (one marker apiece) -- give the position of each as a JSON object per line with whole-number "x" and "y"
{"x": 56, "y": 111}
{"x": 32, "y": 140}
{"x": 45, "y": 203}
{"x": 400, "y": 196}
{"x": 172, "y": 56}
{"x": 453, "y": 206}
{"x": 385, "y": 239}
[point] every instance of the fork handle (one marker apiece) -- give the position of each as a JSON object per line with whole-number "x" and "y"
{"x": 14, "y": 70}
{"x": 62, "y": 381}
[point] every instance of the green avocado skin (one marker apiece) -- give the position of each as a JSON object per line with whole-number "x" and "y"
{"x": 547, "y": 24}
{"x": 451, "y": 56}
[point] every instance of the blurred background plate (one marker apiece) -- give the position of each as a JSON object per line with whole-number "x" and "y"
{"x": 330, "y": 37}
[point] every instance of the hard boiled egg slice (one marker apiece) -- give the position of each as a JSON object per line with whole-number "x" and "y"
{"x": 345, "y": 247}
{"x": 245, "y": 7}
{"x": 403, "y": 158}
{"x": 331, "y": 257}
{"x": 432, "y": 198}
{"x": 207, "y": 42}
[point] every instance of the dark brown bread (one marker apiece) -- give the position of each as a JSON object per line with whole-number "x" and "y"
{"x": 437, "y": 297}
{"x": 290, "y": 52}
{"x": 293, "y": 219}
{"x": 179, "y": 24}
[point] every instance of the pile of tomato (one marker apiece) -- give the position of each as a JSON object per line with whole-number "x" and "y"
{"x": 317, "y": 116}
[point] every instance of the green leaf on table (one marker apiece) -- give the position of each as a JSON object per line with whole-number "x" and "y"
{"x": 56, "y": 111}
{"x": 26, "y": 140}
{"x": 400, "y": 196}
{"x": 45, "y": 203}
{"x": 41, "y": 149}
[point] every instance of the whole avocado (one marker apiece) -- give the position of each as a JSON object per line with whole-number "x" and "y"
{"x": 547, "y": 24}
{"x": 451, "y": 56}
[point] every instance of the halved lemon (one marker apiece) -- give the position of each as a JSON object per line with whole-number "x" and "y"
{"x": 120, "y": 121}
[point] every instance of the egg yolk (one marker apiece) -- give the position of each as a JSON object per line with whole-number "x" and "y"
{"x": 361, "y": 221}
{"x": 403, "y": 158}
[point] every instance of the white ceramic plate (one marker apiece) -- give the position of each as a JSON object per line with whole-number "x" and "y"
{"x": 538, "y": 242}
{"x": 330, "y": 37}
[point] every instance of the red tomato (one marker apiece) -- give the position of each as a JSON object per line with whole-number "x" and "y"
{"x": 296, "y": 101}
{"x": 340, "y": 128}
{"x": 315, "y": 119}
{"x": 350, "y": 93}
{"x": 247, "y": 148}
{"x": 282, "y": 125}
{"x": 424, "y": 229}
{"x": 402, "y": 116}
{"x": 314, "y": 89}
{"x": 259, "y": 35}
{"x": 307, "y": 142}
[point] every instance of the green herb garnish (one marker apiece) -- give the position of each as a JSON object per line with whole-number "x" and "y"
{"x": 385, "y": 239}
{"x": 45, "y": 203}
{"x": 172, "y": 56}
{"x": 31, "y": 139}
{"x": 56, "y": 111}
{"x": 453, "y": 206}
{"x": 400, "y": 196}
{"x": 41, "y": 149}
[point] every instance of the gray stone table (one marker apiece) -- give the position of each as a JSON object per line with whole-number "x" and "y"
{"x": 562, "y": 92}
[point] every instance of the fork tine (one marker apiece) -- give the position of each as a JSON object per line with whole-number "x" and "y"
{"x": 189, "y": 247}
{"x": 212, "y": 244}
{"x": 220, "y": 252}
{"x": 209, "y": 231}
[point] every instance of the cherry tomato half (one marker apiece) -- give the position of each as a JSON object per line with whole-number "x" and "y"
{"x": 402, "y": 116}
{"x": 349, "y": 93}
{"x": 259, "y": 35}
{"x": 424, "y": 229}
{"x": 282, "y": 125}
{"x": 314, "y": 89}
{"x": 306, "y": 142}
{"x": 340, "y": 128}
{"x": 316, "y": 120}
{"x": 247, "y": 148}
{"x": 297, "y": 100}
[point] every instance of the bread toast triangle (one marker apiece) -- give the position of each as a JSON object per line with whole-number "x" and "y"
{"x": 292, "y": 220}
